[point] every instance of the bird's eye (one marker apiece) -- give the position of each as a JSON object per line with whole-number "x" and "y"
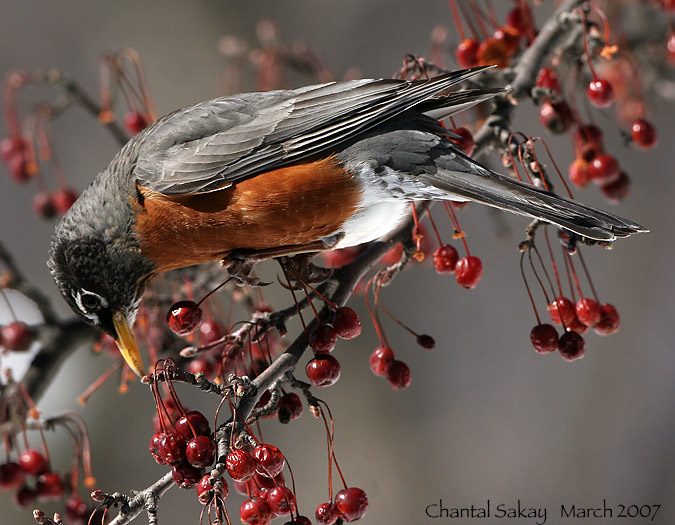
{"x": 90, "y": 301}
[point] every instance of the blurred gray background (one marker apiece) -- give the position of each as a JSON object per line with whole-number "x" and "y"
{"x": 485, "y": 417}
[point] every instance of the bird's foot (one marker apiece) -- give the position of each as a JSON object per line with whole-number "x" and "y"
{"x": 300, "y": 269}
{"x": 241, "y": 271}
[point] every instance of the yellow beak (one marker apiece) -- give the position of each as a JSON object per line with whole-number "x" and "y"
{"x": 126, "y": 342}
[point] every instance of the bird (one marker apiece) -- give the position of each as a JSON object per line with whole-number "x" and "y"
{"x": 277, "y": 173}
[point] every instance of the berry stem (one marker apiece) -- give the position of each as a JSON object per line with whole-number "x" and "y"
{"x": 555, "y": 267}
{"x": 433, "y": 224}
{"x": 455, "y": 223}
{"x": 458, "y": 20}
{"x": 213, "y": 291}
{"x": 588, "y": 276}
{"x": 527, "y": 287}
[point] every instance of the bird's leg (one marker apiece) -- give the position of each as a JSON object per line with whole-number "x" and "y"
{"x": 300, "y": 268}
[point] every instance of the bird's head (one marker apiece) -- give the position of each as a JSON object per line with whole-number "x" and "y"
{"x": 104, "y": 286}
{"x": 99, "y": 269}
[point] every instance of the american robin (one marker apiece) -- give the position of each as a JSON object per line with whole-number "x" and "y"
{"x": 277, "y": 173}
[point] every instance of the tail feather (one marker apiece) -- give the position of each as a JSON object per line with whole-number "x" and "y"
{"x": 465, "y": 179}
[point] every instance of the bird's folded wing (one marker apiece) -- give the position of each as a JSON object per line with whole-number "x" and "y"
{"x": 211, "y": 145}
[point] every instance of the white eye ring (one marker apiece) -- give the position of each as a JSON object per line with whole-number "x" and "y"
{"x": 89, "y": 302}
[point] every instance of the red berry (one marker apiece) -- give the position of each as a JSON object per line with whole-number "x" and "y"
{"x": 43, "y": 206}
{"x": 322, "y": 339}
{"x": 588, "y": 311}
{"x": 465, "y": 140}
{"x": 11, "y": 476}
{"x": 346, "y": 323}
{"x": 561, "y": 308}
{"x": 77, "y": 510}
{"x": 17, "y": 336}
{"x": 63, "y": 199}
{"x": 269, "y": 460}
{"x": 571, "y": 346}
{"x": 380, "y": 359}
{"x": 11, "y": 147}
{"x": 255, "y": 511}
{"x": 600, "y": 93}
{"x": 426, "y": 341}
{"x": 202, "y": 365}
{"x": 240, "y": 465}
{"x": 352, "y": 503}
{"x": 670, "y": 47}
{"x": 25, "y": 496}
{"x": 555, "y": 116}
{"x": 493, "y": 52}
{"x": 547, "y": 78}
{"x": 603, "y": 169}
{"x": 170, "y": 448}
{"x": 19, "y": 168}
{"x": 578, "y": 173}
{"x": 577, "y": 326}
{"x": 588, "y": 141}
{"x": 200, "y": 451}
{"x": 616, "y": 191}
{"x": 184, "y": 317}
{"x": 338, "y": 258}
{"x": 398, "y": 374}
{"x": 520, "y": 18}
{"x": 508, "y": 37}
{"x": 49, "y": 486}
{"x": 327, "y": 514}
{"x": 186, "y": 476}
{"x": 644, "y": 134}
{"x": 445, "y": 259}
{"x": 544, "y": 338}
{"x": 609, "y": 320}
{"x": 153, "y": 446}
{"x": 281, "y": 500}
{"x": 209, "y": 331}
{"x": 299, "y": 520}
{"x": 134, "y": 122}
{"x": 468, "y": 271}
{"x": 292, "y": 403}
{"x": 32, "y": 462}
{"x": 199, "y": 423}
{"x": 466, "y": 53}
{"x": 205, "y": 491}
{"x": 323, "y": 370}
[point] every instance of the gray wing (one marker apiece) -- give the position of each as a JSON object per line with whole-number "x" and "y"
{"x": 211, "y": 145}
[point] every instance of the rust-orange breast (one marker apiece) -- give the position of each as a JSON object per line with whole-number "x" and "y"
{"x": 291, "y": 206}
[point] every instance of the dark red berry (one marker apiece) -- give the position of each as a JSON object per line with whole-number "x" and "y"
{"x": 153, "y": 446}
{"x": 43, "y": 205}
{"x": 465, "y": 139}
{"x": 322, "y": 339}
{"x": 547, "y": 78}
{"x": 398, "y": 374}
{"x": 327, "y": 514}
{"x": 170, "y": 448}
{"x": 184, "y": 317}
{"x": 578, "y": 173}
{"x": 588, "y": 141}
{"x": 346, "y": 323}
{"x": 255, "y": 511}
{"x": 445, "y": 259}
{"x": 603, "y": 169}
{"x": 466, "y": 53}
{"x": 508, "y": 37}
{"x": 561, "y": 310}
{"x": 609, "y": 320}
{"x": 426, "y": 341}
{"x": 644, "y": 134}
{"x": 520, "y": 18}
{"x": 380, "y": 359}
{"x": 292, "y": 403}
{"x": 600, "y": 93}
{"x": 544, "y": 338}
{"x": 577, "y": 326}
{"x": 19, "y": 168}
{"x": 493, "y": 51}
{"x": 617, "y": 190}
{"x": 323, "y": 370}
{"x": 468, "y": 271}
{"x": 11, "y": 476}
{"x": 134, "y": 122}
{"x": 588, "y": 311}
{"x": 49, "y": 486}
{"x": 571, "y": 346}
{"x": 281, "y": 500}
{"x": 205, "y": 491}
{"x": 11, "y": 147}
{"x": 351, "y": 503}
{"x": 240, "y": 465}
{"x": 299, "y": 520}
{"x": 17, "y": 336}
{"x": 186, "y": 476}
{"x": 202, "y": 365}
{"x": 63, "y": 199}
{"x": 197, "y": 421}
{"x": 25, "y": 496}
{"x": 77, "y": 510}
{"x": 32, "y": 462}
{"x": 200, "y": 451}
{"x": 555, "y": 116}
{"x": 269, "y": 460}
